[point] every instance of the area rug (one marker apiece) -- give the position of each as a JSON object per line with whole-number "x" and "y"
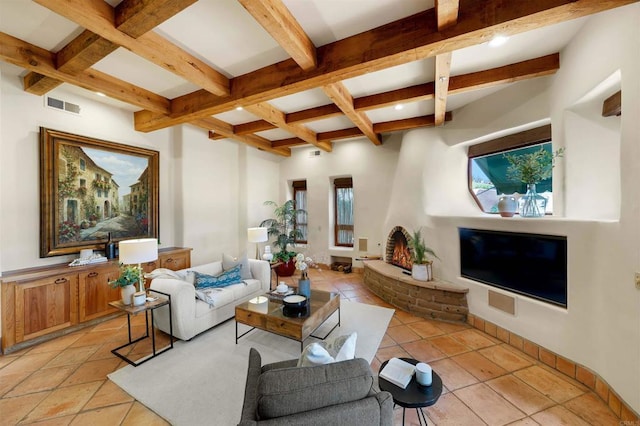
{"x": 201, "y": 382}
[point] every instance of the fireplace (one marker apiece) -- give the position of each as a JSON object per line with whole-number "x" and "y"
{"x": 398, "y": 252}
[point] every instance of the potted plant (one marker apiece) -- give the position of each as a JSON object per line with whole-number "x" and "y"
{"x": 282, "y": 227}
{"x": 421, "y": 268}
{"x": 530, "y": 169}
{"x": 130, "y": 275}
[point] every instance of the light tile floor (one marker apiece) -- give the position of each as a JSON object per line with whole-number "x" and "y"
{"x": 63, "y": 381}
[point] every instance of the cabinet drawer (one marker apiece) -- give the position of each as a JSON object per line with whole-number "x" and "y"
{"x": 175, "y": 261}
{"x": 284, "y": 328}
{"x": 251, "y": 318}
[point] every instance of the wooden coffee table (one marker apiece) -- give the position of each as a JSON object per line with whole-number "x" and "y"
{"x": 269, "y": 316}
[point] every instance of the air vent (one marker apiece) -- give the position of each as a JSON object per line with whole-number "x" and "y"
{"x": 62, "y": 105}
{"x": 315, "y": 153}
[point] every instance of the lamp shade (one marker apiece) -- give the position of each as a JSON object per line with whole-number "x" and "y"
{"x": 138, "y": 251}
{"x": 257, "y": 235}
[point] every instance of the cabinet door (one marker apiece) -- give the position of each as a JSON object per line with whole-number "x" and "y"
{"x": 95, "y": 293}
{"x": 45, "y": 305}
{"x": 175, "y": 260}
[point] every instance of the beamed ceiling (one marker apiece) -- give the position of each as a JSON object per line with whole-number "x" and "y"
{"x": 303, "y": 71}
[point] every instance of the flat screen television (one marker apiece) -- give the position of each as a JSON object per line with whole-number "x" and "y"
{"x": 531, "y": 264}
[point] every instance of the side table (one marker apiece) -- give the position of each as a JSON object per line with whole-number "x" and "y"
{"x": 414, "y": 395}
{"x": 149, "y": 306}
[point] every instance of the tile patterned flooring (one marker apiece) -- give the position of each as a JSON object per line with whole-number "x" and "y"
{"x": 63, "y": 381}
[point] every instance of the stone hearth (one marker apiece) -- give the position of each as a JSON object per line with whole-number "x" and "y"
{"x": 427, "y": 299}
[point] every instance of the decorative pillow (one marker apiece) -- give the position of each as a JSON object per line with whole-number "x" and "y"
{"x": 229, "y": 262}
{"x": 223, "y": 279}
{"x": 339, "y": 349}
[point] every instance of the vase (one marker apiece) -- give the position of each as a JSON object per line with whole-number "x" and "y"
{"x": 532, "y": 204}
{"x": 127, "y": 293}
{"x": 286, "y": 269}
{"x": 304, "y": 286}
{"x": 507, "y": 205}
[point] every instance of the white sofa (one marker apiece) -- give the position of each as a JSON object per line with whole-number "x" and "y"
{"x": 192, "y": 316}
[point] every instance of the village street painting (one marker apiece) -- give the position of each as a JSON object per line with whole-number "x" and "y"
{"x": 100, "y": 192}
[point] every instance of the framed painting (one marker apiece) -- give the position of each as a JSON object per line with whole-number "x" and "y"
{"x": 91, "y": 188}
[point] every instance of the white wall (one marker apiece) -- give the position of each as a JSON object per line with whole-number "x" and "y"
{"x": 601, "y": 327}
{"x": 372, "y": 169}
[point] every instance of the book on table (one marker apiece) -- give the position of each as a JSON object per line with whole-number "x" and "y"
{"x": 398, "y": 372}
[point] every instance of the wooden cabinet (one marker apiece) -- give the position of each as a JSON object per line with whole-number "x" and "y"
{"x": 95, "y": 293}
{"x": 45, "y": 305}
{"x": 39, "y": 303}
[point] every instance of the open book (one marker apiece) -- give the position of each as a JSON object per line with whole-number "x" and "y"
{"x": 398, "y": 372}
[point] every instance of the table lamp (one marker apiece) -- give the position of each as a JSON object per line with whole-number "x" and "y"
{"x": 138, "y": 251}
{"x": 257, "y": 235}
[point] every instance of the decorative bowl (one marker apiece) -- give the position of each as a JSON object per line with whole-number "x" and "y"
{"x": 295, "y": 301}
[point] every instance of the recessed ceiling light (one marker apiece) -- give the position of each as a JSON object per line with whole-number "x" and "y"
{"x": 101, "y": 94}
{"x": 498, "y": 40}
{"x": 398, "y": 107}
{"x": 239, "y": 108}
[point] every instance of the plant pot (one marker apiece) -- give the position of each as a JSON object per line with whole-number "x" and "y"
{"x": 286, "y": 269}
{"x": 421, "y": 271}
{"x": 127, "y": 293}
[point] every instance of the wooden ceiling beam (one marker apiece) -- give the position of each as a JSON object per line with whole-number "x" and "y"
{"x": 226, "y": 129}
{"x": 278, "y": 21}
{"x": 443, "y": 73}
{"x": 34, "y": 58}
{"x": 88, "y": 48}
{"x": 340, "y": 96}
{"x": 268, "y": 112}
{"x": 612, "y": 106}
{"x": 406, "y": 40}
{"x": 313, "y": 114}
{"x": 99, "y": 17}
{"x": 78, "y": 55}
{"x": 136, "y": 17}
{"x": 447, "y": 16}
{"x": 408, "y": 123}
{"x": 339, "y": 134}
{"x": 288, "y": 143}
{"x": 415, "y": 93}
{"x": 532, "y": 68}
{"x": 253, "y": 127}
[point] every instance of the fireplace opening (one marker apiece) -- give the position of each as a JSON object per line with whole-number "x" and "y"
{"x": 398, "y": 252}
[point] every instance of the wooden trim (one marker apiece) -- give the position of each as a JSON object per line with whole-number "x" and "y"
{"x": 612, "y": 106}
{"x": 136, "y": 17}
{"x": 517, "y": 140}
{"x": 340, "y": 96}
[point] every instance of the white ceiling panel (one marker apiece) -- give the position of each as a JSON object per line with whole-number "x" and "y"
{"x": 410, "y": 74}
{"x": 301, "y": 101}
{"x": 329, "y": 124}
{"x": 413, "y": 109}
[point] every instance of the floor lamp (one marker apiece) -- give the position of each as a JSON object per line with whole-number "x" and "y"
{"x": 257, "y": 235}
{"x": 138, "y": 251}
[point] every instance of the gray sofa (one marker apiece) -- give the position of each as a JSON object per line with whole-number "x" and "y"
{"x": 332, "y": 394}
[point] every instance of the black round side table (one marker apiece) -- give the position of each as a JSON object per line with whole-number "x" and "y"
{"x": 414, "y": 395}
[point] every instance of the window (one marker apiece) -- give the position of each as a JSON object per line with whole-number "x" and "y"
{"x": 300, "y": 203}
{"x": 82, "y": 164}
{"x": 488, "y": 167}
{"x": 83, "y": 183}
{"x": 343, "y": 212}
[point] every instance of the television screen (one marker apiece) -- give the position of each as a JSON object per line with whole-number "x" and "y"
{"x": 530, "y": 264}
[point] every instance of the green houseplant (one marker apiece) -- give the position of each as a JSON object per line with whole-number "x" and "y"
{"x": 421, "y": 268}
{"x": 530, "y": 169}
{"x": 130, "y": 275}
{"x": 282, "y": 227}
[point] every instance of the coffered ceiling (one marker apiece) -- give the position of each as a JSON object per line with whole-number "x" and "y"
{"x": 276, "y": 74}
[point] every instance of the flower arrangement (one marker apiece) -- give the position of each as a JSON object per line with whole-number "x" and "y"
{"x": 303, "y": 264}
{"x": 532, "y": 168}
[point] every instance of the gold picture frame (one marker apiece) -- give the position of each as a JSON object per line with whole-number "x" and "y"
{"x": 90, "y": 188}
